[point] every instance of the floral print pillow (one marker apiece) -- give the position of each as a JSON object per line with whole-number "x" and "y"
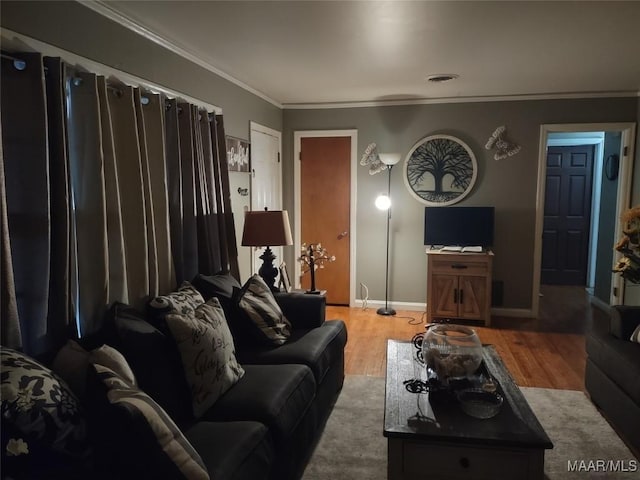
{"x": 185, "y": 300}
{"x": 40, "y": 405}
{"x": 207, "y": 352}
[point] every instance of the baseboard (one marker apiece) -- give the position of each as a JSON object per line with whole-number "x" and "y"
{"x": 512, "y": 312}
{"x": 412, "y": 306}
{"x": 596, "y": 302}
{"x": 421, "y": 307}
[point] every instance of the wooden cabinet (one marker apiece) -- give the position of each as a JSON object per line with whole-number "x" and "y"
{"x": 459, "y": 285}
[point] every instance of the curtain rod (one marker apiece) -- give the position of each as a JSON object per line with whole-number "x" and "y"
{"x": 20, "y": 64}
{"x": 101, "y": 69}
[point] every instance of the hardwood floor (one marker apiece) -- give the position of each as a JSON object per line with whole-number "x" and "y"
{"x": 548, "y": 352}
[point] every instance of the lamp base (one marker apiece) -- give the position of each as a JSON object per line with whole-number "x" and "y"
{"x": 267, "y": 271}
{"x": 386, "y": 311}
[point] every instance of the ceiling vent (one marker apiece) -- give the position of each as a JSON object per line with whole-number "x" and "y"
{"x": 442, "y": 77}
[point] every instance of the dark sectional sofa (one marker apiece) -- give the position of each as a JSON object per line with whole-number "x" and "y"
{"x": 264, "y": 427}
{"x": 612, "y": 376}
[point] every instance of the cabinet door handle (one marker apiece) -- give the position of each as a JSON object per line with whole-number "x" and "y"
{"x": 459, "y": 266}
{"x": 455, "y": 295}
{"x": 461, "y": 296}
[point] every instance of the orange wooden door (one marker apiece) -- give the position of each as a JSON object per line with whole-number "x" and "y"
{"x": 325, "y": 174}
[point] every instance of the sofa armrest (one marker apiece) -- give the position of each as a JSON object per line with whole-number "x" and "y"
{"x": 304, "y": 311}
{"x": 623, "y": 321}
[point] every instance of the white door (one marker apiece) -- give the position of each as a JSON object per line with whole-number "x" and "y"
{"x": 266, "y": 180}
{"x": 239, "y": 183}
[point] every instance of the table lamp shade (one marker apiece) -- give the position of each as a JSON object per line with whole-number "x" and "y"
{"x": 266, "y": 228}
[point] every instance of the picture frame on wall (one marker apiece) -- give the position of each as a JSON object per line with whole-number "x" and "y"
{"x": 285, "y": 283}
{"x": 440, "y": 170}
{"x": 238, "y": 154}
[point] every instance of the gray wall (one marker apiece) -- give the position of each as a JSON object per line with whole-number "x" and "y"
{"x": 508, "y": 185}
{"x": 77, "y": 29}
{"x": 607, "y": 221}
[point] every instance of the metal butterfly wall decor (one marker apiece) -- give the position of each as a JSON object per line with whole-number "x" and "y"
{"x": 504, "y": 148}
{"x": 371, "y": 158}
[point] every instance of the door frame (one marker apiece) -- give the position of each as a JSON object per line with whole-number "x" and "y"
{"x": 256, "y": 127}
{"x": 298, "y": 135}
{"x": 625, "y": 176}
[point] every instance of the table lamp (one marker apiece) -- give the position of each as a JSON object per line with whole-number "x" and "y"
{"x": 268, "y": 228}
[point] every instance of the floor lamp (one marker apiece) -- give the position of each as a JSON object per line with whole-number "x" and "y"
{"x": 383, "y": 202}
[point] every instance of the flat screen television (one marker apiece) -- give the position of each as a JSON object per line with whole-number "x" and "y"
{"x": 459, "y": 226}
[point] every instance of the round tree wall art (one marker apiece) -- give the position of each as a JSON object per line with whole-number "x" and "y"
{"x": 440, "y": 170}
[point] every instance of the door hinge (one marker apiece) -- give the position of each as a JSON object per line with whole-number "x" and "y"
{"x": 300, "y": 155}
{"x": 625, "y": 152}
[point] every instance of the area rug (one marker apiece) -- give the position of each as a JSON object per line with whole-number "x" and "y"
{"x": 352, "y": 446}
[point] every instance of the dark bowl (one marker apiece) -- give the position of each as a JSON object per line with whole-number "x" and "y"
{"x": 479, "y": 403}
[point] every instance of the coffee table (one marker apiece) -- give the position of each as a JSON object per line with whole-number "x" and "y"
{"x": 433, "y": 438}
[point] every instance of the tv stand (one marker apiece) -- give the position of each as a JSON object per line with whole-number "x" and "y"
{"x": 459, "y": 285}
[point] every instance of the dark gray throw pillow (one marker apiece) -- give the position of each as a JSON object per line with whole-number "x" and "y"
{"x": 155, "y": 361}
{"x": 220, "y": 286}
{"x": 263, "y": 314}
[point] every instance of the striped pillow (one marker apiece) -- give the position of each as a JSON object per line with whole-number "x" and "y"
{"x": 178, "y": 458}
{"x": 257, "y": 302}
{"x": 635, "y": 336}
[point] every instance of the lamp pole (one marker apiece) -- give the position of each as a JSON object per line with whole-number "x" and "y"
{"x": 386, "y": 310}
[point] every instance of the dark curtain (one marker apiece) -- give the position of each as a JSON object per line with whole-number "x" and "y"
{"x": 202, "y": 240}
{"x": 10, "y": 334}
{"x": 34, "y": 156}
{"x": 121, "y": 198}
{"x": 226, "y": 228}
{"x": 60, "y": 315}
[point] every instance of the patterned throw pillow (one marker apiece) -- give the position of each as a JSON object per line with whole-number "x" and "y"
{"x": 207, "y": 351}
{"x": 40, "y": 405}
{"x": 257, "y": 302}
{"x": 635, "y": 336}
{"x": 171, "y": 456}
{"x": 185, "y": 300}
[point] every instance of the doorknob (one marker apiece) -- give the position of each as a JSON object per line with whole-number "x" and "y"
{"x": 341, "y": 235}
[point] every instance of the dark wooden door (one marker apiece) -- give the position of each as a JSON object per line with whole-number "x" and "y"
{"x": 567, "y": 215}
{"x": 325, "y": 197}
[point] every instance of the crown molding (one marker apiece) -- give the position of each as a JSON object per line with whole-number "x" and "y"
{"x": 102, "y": 8}
{"x": 431, "y": 101}
{"x": 106, "y": 11}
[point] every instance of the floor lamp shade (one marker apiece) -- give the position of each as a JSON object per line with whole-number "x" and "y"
{"x": 267, "y": 228}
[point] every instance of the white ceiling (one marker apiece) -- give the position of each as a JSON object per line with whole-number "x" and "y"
{"x": 327, "y": 52}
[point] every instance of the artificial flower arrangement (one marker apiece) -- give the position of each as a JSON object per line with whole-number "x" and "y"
{"x": 629, "y": 246}
{"x": 313, "y": 257}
